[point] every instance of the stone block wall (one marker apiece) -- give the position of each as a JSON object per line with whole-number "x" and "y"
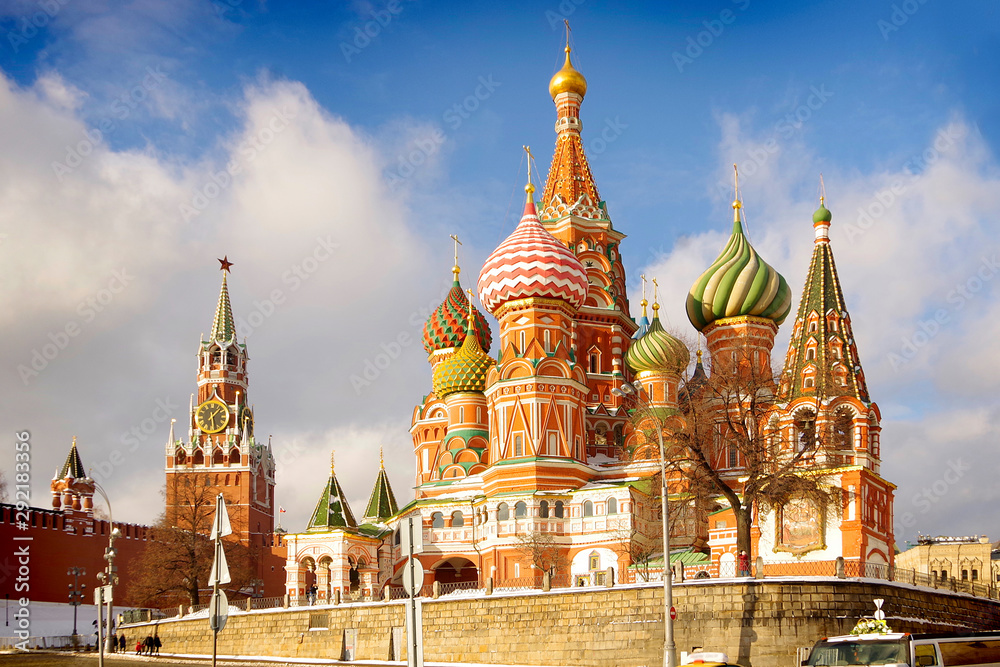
{"x": 759, "y": 623}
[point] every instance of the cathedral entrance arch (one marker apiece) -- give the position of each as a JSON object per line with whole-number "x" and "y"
{"x": 461, "y": 572}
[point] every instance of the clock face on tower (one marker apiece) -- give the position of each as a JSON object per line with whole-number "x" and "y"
{"x": 212, "y": 416}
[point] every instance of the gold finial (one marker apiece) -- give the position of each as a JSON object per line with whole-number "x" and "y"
{"x": 332, "y": 453}
{"x": 455, "y": 270}
{"x": 656, "y": 299}
{"x": 74, "y": 442}
{"x": 643, "y": 303}
{"x": 529, "y": 188}
{"x": 822, "y": 190}
{"x": 381, "y": 459}
{"x": 699, "y": 355}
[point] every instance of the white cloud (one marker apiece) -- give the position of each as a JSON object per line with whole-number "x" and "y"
{"x": 323, "y": 252}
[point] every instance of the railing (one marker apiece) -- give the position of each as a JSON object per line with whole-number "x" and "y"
{"x": 759, "y": 570}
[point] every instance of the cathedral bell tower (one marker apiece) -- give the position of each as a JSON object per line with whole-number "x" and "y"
{"x": 221, "y": 454}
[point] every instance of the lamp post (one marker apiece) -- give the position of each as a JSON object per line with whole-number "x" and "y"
{"x": 109, "y": 577}
{"x": 76, "y": 592}
{"x": 634, "y": 393}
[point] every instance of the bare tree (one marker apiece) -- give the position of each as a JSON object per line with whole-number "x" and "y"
{"x": 630, "y": 543}
{"x": 177, "y": 561}
{"x": 726, "y": 442}
{"x": 541, "y": 551}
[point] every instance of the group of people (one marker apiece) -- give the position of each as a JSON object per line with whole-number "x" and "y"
{"x": 148, "y": 646}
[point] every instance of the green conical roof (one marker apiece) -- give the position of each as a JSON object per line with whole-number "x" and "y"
{"x": 223, "y": 328}
{"x": 833, "y": 363}
{"x": 332, "y": 510}
{"x": 382, "y": 503}
{"x": 74, "y": 465}
{"x": 657, "y": 350}
{"x": 739, "y": 283}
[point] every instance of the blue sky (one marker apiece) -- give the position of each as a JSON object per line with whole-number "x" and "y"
{"x": 894, "y": 102}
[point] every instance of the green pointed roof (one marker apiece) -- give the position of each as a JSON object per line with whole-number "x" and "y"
{"x": 332, "y": 511}
{"x": 223, "y": 328}
{"x": 739, "y": 283}
{"x": 382, "y": 503}
{"x": 824, "y": 296}
{"x": 74, "y": 465}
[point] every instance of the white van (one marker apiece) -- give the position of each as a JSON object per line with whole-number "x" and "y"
{"x": 912, "y": 650}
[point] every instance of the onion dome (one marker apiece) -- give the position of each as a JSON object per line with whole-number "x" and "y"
{"x": 567, "y": 80}
{"x": 531, "y": 263}
{"x": 463, "y": 371}
{"x": 657, "y": 350}
{"x": 822, "y": 214}
{"x": 446, "y": 327}
{"x": 739, "y": 283}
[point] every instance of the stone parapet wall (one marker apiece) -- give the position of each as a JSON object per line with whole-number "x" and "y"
{"x": 759, "y": 623}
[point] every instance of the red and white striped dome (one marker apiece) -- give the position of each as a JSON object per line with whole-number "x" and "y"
{"x": 531, "y": 263}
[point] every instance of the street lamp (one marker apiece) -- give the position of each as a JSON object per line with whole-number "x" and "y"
{"x": 109, "y": 577}
{"x": 76, "y": 592}
{"x": 633, "y": 392}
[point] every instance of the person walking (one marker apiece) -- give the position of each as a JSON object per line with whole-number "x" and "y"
{"x": 121, "y": 643}
{"x": 743, "y": 564}
{"x": 147, "y": 645}
{"x": 157, "y": 644}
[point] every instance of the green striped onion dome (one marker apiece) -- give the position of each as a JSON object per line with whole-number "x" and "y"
{"x": 738, "y": 284}
{"x": 463, "y": 371}
{"x": 446, "y": 326}
{"x": 657, "y": 350}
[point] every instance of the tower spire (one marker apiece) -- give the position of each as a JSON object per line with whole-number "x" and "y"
{"x": 737, "y": 205}
{"x": 223, "y": 328}
{"x": 455, "y": 270}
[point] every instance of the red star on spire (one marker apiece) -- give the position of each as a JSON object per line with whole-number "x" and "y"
{"x": 225, "y": 264}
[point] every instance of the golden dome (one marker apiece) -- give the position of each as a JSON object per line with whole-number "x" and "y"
{"x": 567, "y": 80}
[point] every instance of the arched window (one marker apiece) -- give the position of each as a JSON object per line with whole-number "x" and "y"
{"x": 612, "y": 506}
{"x": 237, "y": 479}
{"x": 543, "y": 509}
{"x": 595, "y": 560}
{"x": 520, "y": 509}
{"x": 437, "y": 520}
{"x": 234, "y": 456}
{"x": 227, "y": 479}
{"x": 503, "y": 512}
{"x": 810, "y": 354}
{"x": 218, "y": 457}
{"x": 199, "y": 458}
{"x": 595, "y": 362}
{"x": 805, "y": 429}
{"x": 560, "y": 511}
{"x": 588, "y": 508}
{"x": 457, "y": 520}
{"x": 843, "y": 430}
{"x": 180, "y": 457}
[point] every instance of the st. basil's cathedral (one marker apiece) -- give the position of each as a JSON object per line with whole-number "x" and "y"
{"x": 536, "y": 449}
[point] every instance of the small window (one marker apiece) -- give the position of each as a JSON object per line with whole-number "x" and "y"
{"x": 965, "y": 575}
{"x": 457, "y": 520}
{"x": 553, "y": 444}
{"x": 560, "y": 513}
{"x": 975, "y": 575}
{"x": 594, "y": 363}
{"x": 518, "y": 446}
{"x": 812, "y": 327}
{"x": 503, "y": 512}
{"x": 734, "y": 456}
{"x": 595, "y": 560}
{"x": 461, "y": 415}
{"x": 810, "y": 354}
{"x": 543, "y": 509}
{"x": 437, "y": 520}
{"x": 588, "y": 508}
{"x": 612, "y": 506}
{"x": 520, "y": 510}
{"x": 809, "y": 383}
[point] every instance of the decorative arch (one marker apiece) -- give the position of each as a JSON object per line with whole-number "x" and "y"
{"x": 234, "y": 456}
{"x": 517, "y": 369}
{"x": 552, "y": 368}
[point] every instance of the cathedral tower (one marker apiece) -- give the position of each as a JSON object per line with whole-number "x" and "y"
{"x": 221, "y": 454}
